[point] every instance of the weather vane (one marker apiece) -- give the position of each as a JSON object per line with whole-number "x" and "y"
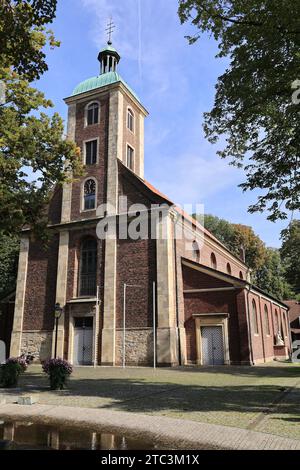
{"x": 110, "y": 29}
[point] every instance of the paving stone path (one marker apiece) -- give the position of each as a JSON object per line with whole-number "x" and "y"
{"x": 173, "y": 433}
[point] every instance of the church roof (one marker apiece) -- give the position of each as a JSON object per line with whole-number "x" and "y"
{"x": 101, "y": 81}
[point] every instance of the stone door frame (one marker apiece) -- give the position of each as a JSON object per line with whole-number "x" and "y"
{"x": 211, "y": 319}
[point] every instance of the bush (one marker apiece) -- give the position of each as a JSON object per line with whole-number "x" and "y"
{"x": 58, "y": 370}
{"x": 11, "y": 370}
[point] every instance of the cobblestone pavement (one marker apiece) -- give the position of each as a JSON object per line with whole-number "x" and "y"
{"x": 170, "y": 433}
{"x": 261, "y": 399}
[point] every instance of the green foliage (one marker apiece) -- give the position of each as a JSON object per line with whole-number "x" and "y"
{"x": 23, "y": 35}
{"x": 236, "y": 237}
{"x": 9, "y": 253}
{"x": 34, "y": 155}
{"x": 290, "y": 254}
{"x": 10, "y": 372}
{"x": 222, "y": 229}
{"x": 253, "y": 105}
{"x": 268, "y": 267}
{"x": 271, "y": 276}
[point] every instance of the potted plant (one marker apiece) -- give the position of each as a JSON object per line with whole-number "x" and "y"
{"x": 10, "y": 371}
{"x": 58, "y": 371}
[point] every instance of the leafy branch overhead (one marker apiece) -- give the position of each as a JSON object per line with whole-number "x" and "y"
{"x": 34, "y": 154}
{"x": 253, "y": 105}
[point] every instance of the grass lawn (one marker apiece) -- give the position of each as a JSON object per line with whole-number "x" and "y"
{"x": 232, "y": 396}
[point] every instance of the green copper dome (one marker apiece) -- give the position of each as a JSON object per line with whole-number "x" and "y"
{"x": 101, "y": 81}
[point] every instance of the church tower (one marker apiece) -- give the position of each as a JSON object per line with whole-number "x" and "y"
{"x": 106, "y": 120}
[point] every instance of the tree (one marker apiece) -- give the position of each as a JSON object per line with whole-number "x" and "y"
{"x": 253, "y": 105}
{"x": 221, "y": 229}
{"x": 9, "y": 251}
{"x": 34, "y": 155}
{"x": 255, "y": 249}
{"x": 236, "y": 237}
{"x": 23, "y": 35}
{"x": 271, "y": 276}
{"x": 267, "y": 266}
{"x": 290, "y": 254}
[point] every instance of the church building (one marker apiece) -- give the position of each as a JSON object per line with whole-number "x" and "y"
{"x": 133, "y": 300}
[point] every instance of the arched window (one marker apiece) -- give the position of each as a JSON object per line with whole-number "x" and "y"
{"x": 228, "y": 268}
{"x": 88, "y": 268}
{"x": 267, "y": 323}
{"x": 130, "y": 120}
{"x": 89, "y": 196}
{"x": 284, "y": 325}
{"x": 92, "y": 114}
{"x": 213, "y": 261}
{"x": 241, "y": 275}
{"x": 196, "y": 250}
{"x": 276, "y": 326}
{"x": 254, "y": 318}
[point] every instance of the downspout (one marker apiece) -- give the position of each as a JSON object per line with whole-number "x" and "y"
{"x": 176, "y": 292}
{"x": 262, "y": 332}
{"x": 249, "y": 326}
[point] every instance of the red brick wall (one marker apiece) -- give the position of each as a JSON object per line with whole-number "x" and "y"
{"x": 206, "y": 302}
{"x": 98, "y": 171}
{"x": 41, "y": 286}
{"x": 136, "y": 265}
{"x": 263, "y": 344}
{"x": 55, "y": 204}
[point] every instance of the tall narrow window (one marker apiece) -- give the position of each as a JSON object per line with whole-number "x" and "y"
{"x": 276, "y": 326}
{"x": 267, "y": 323}
{"x": 228, "y": 268}
{"x": 283, "y": 325}
{"x": 89, "y": 197}
{"x": 88, "y": 268}
{"x": 130, "y": 157}
{"x": 254, "y": 318}
{"x": 91, "y": 148}
{"x": 92, "y": 116}
{"x": 213, "y": 261}
{"x": 130, "y": 120}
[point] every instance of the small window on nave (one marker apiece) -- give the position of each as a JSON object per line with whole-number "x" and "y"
{"x": 267, "y": 322}
{"x": 213, "y": 261}
{"x": 254, "y": 318}
{"x": 228, "y": 269}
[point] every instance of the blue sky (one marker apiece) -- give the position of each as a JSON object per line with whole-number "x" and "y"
{"x": 175, "y": 82}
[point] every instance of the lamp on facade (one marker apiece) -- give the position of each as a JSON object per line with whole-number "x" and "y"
{"x": 57, "y": 314}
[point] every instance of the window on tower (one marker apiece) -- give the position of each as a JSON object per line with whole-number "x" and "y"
{"x": 89, "y": 196}
{"x": 130, "y": 120}
{"x": 92, "y": 114}
{"x": 91, "y": 150}
{"x": 88, "y": 268}
{"x": 130, "y": 157}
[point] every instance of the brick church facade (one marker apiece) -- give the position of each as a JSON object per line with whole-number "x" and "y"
{"x": 191, "y": 305}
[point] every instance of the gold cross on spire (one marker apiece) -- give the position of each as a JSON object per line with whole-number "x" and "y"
{"x": 110, "y": 30}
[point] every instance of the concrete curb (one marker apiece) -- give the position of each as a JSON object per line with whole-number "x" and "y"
{"x": 173, "y": 433}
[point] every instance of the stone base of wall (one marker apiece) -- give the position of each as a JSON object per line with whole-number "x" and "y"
{"x": 139, "y": 347}
{"x": 38, "y": 343}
